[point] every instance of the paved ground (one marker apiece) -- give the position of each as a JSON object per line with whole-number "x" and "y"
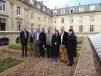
{"x": 38, "y": 67}
{"x": 88, "y": 64}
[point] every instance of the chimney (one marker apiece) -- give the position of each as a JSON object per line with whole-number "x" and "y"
{"x": 41, "y": 2}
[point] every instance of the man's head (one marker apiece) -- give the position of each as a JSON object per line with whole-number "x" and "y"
{"x": 62, "y": 29}
{"x": 49, "y": 29}
{"x": 38, "y": 29}
{"x": 71, "y": 31}
{"x": 25, "y": 28}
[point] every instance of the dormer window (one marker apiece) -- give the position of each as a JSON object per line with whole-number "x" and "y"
{"x": 92, "y": 7}
{"x": 63, "y": 11}
{"x": 44, "y": 9}
{"x": 81, "y": 8}
{"x": 71, "y": 10}
{"x": 32, "y": 2}
{"x": 54, "y": 11}
{"x": 38, "y": 5}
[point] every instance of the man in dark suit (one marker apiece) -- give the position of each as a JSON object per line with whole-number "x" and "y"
{"x": 72, "y": 45}
{"x": 24, "y": 35}
{"x": 64, "y": 45}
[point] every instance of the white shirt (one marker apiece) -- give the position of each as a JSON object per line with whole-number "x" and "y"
{"x": 38, "y": 35}
{"x": 62, "y": 37}
{"x": 25, "y": 34}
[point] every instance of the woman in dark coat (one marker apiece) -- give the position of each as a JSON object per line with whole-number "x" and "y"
{"x": 72, "y": 45}
{"x": 55, "y": 45}
{"x": 42, "y": 43}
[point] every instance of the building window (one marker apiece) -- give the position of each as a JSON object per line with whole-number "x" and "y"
{"x": 91, "y": 18}
{"x": 62, "y": 11}
{"x": 38, "y": 5}
{"x": 44, "y": 18}
{"x": 71, "y": 10}
{"x": 44, "y": 9}
{"x": 62, "y": 20}
{"x": 39, "y": 26}
{"x": 80, "y": 28}
{"x": 18, "y": 10}
{"x": 71, "y": 20}
{"x": 32, "y": 16}
{"x": 32, "y": 25}
{"x": 55, "y": 22}
{"x": 91, "y": 28}
{"x": 81, "y": 8}
{"x": 81, "y": 19}
{"x": 18, "y": 25}
{"x": 2, "y": 24}
{"x": 71, "y": 27}
{"x": 38, "y": 18}
{"x": 32, "y": 2}
{"x": 92, "y": 7}
{"x": 2, "y": 6}
{"x": 55, "y": 11}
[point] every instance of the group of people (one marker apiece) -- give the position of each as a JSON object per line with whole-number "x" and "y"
{"x": 57, "y": 46}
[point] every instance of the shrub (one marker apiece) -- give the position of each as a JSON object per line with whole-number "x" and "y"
{"x": 79, "y": 49}
{"x": 8, "y": 63}
{"x": 14, "y": 46}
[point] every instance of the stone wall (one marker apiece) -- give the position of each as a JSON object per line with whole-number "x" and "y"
{"x": 11, "y": 35}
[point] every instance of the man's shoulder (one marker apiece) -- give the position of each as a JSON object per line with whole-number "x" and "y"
{"x": 65, "y": 32}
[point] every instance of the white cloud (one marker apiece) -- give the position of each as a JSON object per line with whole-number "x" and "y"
{"x": 58, "y": 3}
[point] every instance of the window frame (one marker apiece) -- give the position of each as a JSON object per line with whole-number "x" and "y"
{"x": 18, "y": 11}
{"x": 80, "y": 28}
{"x": 3, "y": 6}
{"x": 91, "y": 28}
{"x": 62, "y": 20}
{"x": 92, "y": 7}
{"x": 81, "y": 8}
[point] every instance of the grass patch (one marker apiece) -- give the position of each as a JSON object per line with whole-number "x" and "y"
{"x": 8, "y": 63}
{"x": 14, "y": 46}
{"x": 79, "y": 46}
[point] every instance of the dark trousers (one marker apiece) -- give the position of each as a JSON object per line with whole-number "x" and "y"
{"x": 71, "y": 57}
{"x": 55, "y": 52}
{"x": 37, "y": 52}
{"x": 24, "y": 50}
{"x": 42, "y": 51}
{"x": 49, "y": 52}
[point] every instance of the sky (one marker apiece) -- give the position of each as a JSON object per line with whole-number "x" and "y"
{"x": 63, "y": 3}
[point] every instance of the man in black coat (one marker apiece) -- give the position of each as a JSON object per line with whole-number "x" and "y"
{"x": 42, "y": 42}
{"x": 64, "y": 45}
{"x": 24, "y": 36}
{"x": 72, "y": 45}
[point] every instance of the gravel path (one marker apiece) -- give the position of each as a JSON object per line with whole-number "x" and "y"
{"x": 87, "y": 61}
{"x": 38, "y": 67}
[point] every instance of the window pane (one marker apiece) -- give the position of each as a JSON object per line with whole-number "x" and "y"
{"x": 3, "y": 7}
{"x": 18, "y": 10}
{"x": 62, "y": 11}
{"x": 81, "y": 8}
{"x": 80, "y": 28}
{"x": 0, "y": 6}
{"x": 92, "y": 7}
{"x": 62, "y": 20}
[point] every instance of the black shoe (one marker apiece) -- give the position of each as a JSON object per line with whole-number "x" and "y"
{"x": 69, "y": 64}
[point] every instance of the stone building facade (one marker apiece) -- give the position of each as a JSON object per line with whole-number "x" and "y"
{"x": 15, "y": 14}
